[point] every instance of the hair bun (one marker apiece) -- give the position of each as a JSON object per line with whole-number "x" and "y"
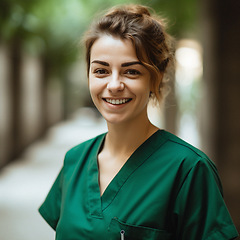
{"x": 139, "y": 9}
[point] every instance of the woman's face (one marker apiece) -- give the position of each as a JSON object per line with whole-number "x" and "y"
{"x": 119, "y": 84}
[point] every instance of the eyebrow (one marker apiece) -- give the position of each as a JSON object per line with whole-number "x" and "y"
{"x": 131, "y": 63}
{"x": 101, "y": 62}
{"x": 127, "y": 64}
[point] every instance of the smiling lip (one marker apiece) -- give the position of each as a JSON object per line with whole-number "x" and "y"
{"x": 117, "y": 101}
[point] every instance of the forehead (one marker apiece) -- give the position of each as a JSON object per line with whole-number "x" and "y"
{"x": 111, "y": 48}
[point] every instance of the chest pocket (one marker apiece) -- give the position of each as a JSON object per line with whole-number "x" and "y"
{"x": 122, "y": 231}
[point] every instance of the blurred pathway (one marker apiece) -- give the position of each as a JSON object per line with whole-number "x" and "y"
{"x": 25, "y": 182}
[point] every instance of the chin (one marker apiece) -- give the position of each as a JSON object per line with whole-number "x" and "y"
{"x": 115, "y": 119}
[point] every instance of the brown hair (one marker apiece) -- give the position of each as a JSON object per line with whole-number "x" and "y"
{"x": 154, "y": 47}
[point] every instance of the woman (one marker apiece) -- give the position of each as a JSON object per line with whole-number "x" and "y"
{"x": 136, "y": 181}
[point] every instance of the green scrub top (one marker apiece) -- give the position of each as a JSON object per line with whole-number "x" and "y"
{"x": 166, "y": 190}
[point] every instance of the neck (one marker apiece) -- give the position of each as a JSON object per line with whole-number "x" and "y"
{"x": 124, "y": 139}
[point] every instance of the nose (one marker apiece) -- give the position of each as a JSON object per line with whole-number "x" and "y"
{"x": 115, "y": 85}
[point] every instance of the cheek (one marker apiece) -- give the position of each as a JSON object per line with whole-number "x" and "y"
{"x": 92, "y": 83}
{"x": 141, "y": 89}
{"x": 93, "y": 92}
{"x": 95, "y": 87}
{"x": 91, "y": 87}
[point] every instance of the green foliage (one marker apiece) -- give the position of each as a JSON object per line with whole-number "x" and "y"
{"x": 13, "y": 18}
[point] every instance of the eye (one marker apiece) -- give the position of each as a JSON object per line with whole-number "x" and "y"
{"x": 132, "y": 72}
{"x": 100, "y": 72}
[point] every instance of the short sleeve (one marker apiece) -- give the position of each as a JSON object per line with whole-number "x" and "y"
{"x": 50, "y": 209}
{"x": 200, "y": 212}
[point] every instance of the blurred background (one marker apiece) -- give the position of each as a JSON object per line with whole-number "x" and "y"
{"x": 45, "y": 106}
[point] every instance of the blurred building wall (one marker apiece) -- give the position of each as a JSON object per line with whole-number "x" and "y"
{"x": 30, "y": 101}
{"x": 220, "y": 30}
{"x": 28, "y": 106}
{"x": 5, "y": 103}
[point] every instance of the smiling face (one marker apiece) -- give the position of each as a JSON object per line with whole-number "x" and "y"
{"x": 119, "y": 84}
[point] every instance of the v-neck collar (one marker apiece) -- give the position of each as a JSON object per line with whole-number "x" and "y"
{"x": 98, "y": 203}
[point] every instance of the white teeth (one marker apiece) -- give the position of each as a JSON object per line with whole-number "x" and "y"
{"x": 117, "y": 101}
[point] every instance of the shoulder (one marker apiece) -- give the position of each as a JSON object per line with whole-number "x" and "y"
{"x": 183, "y": 154}
{"x": 188, "y": 162}
{"x": 81, "y": 150}
{"x": 181, "y": 146}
